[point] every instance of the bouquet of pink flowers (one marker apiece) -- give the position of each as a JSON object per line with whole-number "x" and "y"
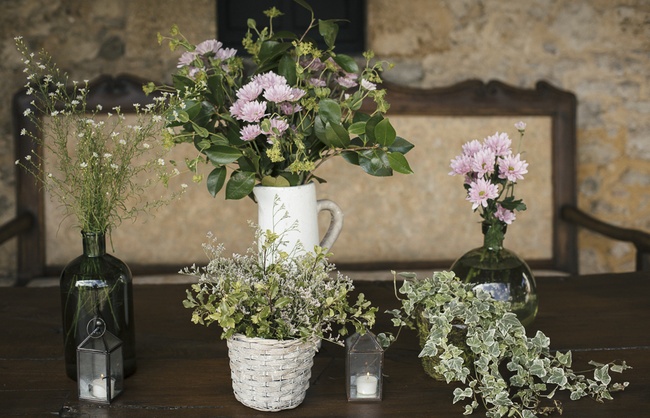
{"x": 298, "y": 107}
{"x": 491, "y": 170}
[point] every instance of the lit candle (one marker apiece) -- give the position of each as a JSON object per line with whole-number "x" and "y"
{"x": 99, "y": 388}
{"x": 367, "y": 385}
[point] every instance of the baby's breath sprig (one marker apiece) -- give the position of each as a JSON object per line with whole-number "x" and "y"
{"x": 102, "y": 162}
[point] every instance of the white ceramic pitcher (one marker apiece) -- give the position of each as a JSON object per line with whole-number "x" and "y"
{"x": 297, "y": 204}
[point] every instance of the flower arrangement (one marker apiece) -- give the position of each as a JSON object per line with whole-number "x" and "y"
{"x": 494, "y": 362}
{"x": 299, "y": 107}
{"x": 268, "y": 294}
{"x": 102, "y": 166}
{"x": 491, "y": 171}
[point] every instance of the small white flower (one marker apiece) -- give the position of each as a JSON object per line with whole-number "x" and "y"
{"x": 99, "y": 107}
{"x": 122, "y": 142}
{"x": 17, "y": 162}
{"x": 83, "y": 165}
{"x": 23, "y": 132}
{"x": 161, "y": 161}
{"x": 521, "y": 126}
{"x": 27, "y": 112}
{"x": 184, "y": 186}
{"x": 49, "y": 175}
{"x": 114, "y": 166}
{"x": 95, "y": 155}
{"x": 28, "y": 157}
{"x": 146, "y": 146}
{"x": 108, "y": 155}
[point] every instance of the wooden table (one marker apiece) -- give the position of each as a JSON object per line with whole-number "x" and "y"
{"x": 183, "y": 368}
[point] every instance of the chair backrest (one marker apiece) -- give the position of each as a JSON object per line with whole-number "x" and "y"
{"x": 401, "y": 222}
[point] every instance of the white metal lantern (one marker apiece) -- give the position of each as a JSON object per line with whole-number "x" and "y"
{"x": 363, "y": 367}
{"x": 100, "y": 369}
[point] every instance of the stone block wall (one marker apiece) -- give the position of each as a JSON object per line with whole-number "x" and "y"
{"x": 599, "y": 49}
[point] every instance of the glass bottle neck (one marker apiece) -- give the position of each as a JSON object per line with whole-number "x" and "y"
{"x": 94, "y": 243}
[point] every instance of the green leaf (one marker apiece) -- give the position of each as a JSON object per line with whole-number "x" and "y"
{"x": 287, "y": 69}
{"x": 357, "y": 128}
{"x": 375, "y": 162}
{"x": 216, "y": 180}
{"x": 336, "y": 135}
{"x": 385, "y": 133}
{"x": 328, "y": 30}
{"x": 370, "y": 127}
{"x": 270, "y": 50}
{"x": 271, "y": 181}
{"x": 351, "y": 157}
{"x": 304, "y": 4}
{"x": 347, "y": 63}
{"x": 240, "y": 185}
{"x": 222, "y": 154}
{"x": 399, "y": 163}
{"x": 401, "y": 145}
{"x": 329, "y": 110}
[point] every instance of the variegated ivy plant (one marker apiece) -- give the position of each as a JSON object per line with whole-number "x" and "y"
{"x": 507, "y": 372}
{"x": 299, "y": 107}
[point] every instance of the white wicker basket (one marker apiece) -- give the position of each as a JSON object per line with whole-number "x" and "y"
{"x": 270, "y": 375}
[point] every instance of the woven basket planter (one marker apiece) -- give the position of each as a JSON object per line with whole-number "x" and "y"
{"x": 270, "y": 375}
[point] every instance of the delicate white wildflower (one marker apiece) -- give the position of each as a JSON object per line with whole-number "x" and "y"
{"x": 83, "y": 164}
{"x": 108, "y": 155}
{"x": 184, "y": 186}
{"x": 161, "y": 161}
{"x": 27, "y": 112}
{"x": 28, "y": 157}
{"x": 114, "y": 166}
{"x": 122, "y": 142}
{"x": 146, "y": 146}
{"x": 23, "y": 132}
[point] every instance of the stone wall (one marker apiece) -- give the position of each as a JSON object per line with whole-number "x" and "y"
{"x": 599, "y": 49}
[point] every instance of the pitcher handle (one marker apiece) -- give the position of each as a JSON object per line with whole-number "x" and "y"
{"x": 336, "y": 221}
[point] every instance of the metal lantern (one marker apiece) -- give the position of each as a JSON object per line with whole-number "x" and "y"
{"x": 363, "y": 367}
{"x": 100, "y": 369}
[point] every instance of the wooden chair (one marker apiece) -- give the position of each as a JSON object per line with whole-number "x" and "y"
{"x": 472, "y": 98}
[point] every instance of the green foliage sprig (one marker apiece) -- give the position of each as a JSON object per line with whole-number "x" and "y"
{"x": 268, "y": 294}
{"x": 509, "y": 373}
{"x": 299, "y": 107}
{"x": 102, "y": 164}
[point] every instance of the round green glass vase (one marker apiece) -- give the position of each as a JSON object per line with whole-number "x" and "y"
{"x": 97, "y": 284}
{"x": 503, "y": 274}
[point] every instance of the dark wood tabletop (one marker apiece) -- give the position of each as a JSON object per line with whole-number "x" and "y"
{"x": 183, "y": 368}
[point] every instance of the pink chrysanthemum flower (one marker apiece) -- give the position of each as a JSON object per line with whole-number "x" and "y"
{"x": 504, "y": 215}
{"x": 225, "y": 53}
{"x": 317, "y": 82}
{"x": 278, "y": 93}
{"x": 297, "y": 94}
{"x": 480, "y": 191}
{"x": 483, "y": 162}
{"x": 186, "y": 59}
{"x": 461, "y": 165}
{"x": 211, "y": 45}
{"x": 278, "y": 127}
{"x": 249, "y": 92}
{"x": 368, "y": 85}
{"x": 472, "y": 147}
{"x": 348, "y": 81}
{"x": 289, "y": 108}
{"x": 511, "y": 167}
{"x": 252, "y": 112}
{"x": 269, "y": 79}
{"x": 500, "y": 143}
{"x": 250, "y": 132}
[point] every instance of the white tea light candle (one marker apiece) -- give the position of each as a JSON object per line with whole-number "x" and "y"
{"x": 99, "y": 388}
{"x": 366, "y": 385}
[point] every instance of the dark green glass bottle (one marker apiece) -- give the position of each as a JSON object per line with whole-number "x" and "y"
{"x": 97, "y": 284}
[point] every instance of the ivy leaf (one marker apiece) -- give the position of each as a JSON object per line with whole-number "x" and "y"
{"x": 216, "y": 180}
{"x": 240, "y": 185}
